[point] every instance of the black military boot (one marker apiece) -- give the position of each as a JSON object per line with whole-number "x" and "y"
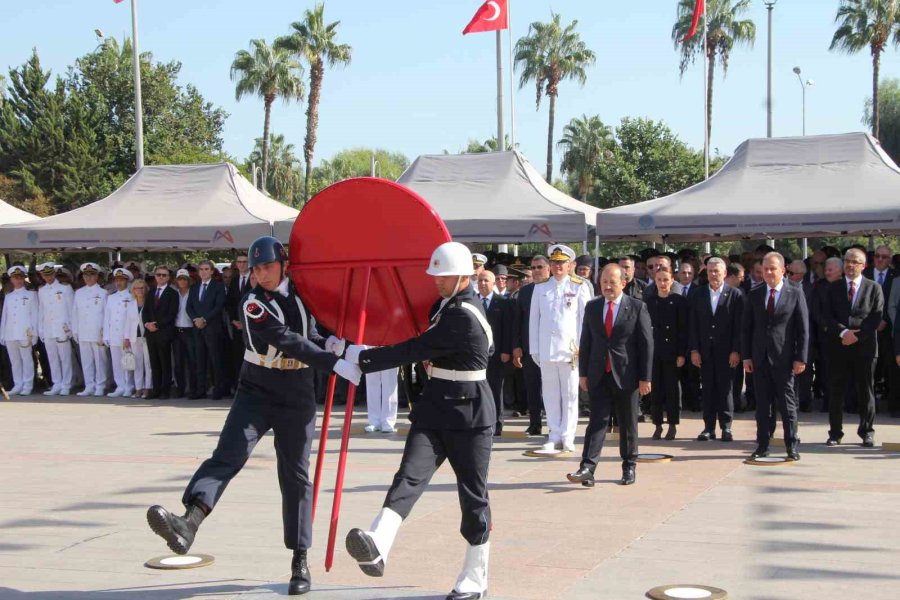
{"x": 300, "y": 578}
{"x": 178, "y": 531}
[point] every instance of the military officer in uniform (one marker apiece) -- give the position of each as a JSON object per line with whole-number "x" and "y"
{"x": 452, "y": 421}
{"x": 114, "y": 320}
{"x": 275, "y": 391}
{"x": 88, "y": 310}
{"x": 478, "y": 262}
{"x": 55, "y": 328}
{"x": 557, "y": 312}
{"x": 18, "y": 330}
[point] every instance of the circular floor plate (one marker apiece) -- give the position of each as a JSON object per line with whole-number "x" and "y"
{"x": 175, "y": 562}
{"x": 769, "y": 461}
{"x": 687, "y": 591}
{"x": 547, "y": 454}
{"x": 653, "y": 458}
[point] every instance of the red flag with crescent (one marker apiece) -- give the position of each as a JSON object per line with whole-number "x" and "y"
{"x": 490, "y": 16}
{"x": 699, "y": 9}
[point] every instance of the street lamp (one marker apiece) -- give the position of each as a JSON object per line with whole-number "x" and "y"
{"x": 803, "y": 85}
{"x": 770, "y": 4}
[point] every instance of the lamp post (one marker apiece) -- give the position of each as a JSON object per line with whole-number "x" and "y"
{"x": 770, "y": 4}
{"x": 803, "y": 86}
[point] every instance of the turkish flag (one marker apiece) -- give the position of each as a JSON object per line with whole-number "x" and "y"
{"x": 118, "y": 1}
{"x": 699, "y": 9}
{"x": 490, "y": 16}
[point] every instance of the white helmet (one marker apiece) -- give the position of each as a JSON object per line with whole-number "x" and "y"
{"x": 451, "y": 258}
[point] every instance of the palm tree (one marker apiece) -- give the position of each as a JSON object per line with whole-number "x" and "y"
{"x": 268, "y": 72}
{"x": 551, "y": 53}
{"x": 285, "y": 183}
{"x": 871, "y": 23}
{"x": 585, "y": 142}
{"x": 725, "y": 29}
{"x": 314, "y": 40}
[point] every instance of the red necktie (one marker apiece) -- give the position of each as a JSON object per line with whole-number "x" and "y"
{"x": 851, "y": 292}
{"x": 609, "y": 325}
{"x": 770, "y": 306}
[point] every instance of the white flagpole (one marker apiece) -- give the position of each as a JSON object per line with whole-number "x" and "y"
{"x": 500, "y": 140}
{"x": 512, "y": 90}
{"x": 705, "y": 100}
{"x": 138, "y": 109}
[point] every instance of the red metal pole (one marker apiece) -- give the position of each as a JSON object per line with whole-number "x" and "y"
{"x": 345, "y": 433}
{"x": 329, "y": 395}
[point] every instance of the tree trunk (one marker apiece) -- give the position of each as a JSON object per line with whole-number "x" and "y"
{"x": 876, "y": 66}
{"x": 550, "y": 139}
{"x": 710, "y": 76}
{"x": 316, "y": 73}
{"x": 265, "y": 145}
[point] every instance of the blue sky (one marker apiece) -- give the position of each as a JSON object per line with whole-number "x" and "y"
{"x": 417, "y": 86}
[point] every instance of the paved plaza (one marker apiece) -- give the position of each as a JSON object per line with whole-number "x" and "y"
{"x": 78, "y": 474}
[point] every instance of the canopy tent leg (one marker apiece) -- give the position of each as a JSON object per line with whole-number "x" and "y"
{"x": 596, "y": 254}
{"x": 804, "y": 248}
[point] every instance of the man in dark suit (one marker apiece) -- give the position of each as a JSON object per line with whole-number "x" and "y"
{"x": 853, "y": 309}
{"x": 158, "y": 315}
{"x": 499, "y": 315}
{"x": 540, "y": 272}
{"x": 205, "y": 304}
{"x": 796, "y": 274}
{"x": 634, "y": 287}
{"x": 775, "y": 343}
{"x": 615, "y": 362}
{"x": 886, "y": 371}
{"x": 237, "y": 287}
{"x": 714, "y": 341}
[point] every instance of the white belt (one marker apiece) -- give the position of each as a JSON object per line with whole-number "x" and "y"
{"x": 260, "y": 360}
{"x": 451, "y": 375}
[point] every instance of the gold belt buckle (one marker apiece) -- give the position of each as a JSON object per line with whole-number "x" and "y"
{"x": 289, "y": 363}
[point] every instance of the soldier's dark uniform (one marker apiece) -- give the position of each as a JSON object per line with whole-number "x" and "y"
{"x": 453, "y": 420}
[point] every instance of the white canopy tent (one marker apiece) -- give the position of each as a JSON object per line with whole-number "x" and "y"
{"x": 813, "y": 186}
{"x": 11, "y": 214}
{"x": 170, "y": 206}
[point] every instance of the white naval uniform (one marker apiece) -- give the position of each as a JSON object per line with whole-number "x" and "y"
{"x": 381, "y": 398}
{"x": 557, "y": 312}
{"x": 18, "y": 331}
{"x": 88, "y": 310}
{"x": 55, "y": 329}
{"x": 115, "y": 319}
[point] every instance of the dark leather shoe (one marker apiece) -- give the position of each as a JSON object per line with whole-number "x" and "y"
{"x": 300, "y": 578}
{"x": 196, "y": 396}
{"x": 705, "y": 436}
{"x": 793, "y": 454}
{"x": 534, "y": 432}
{"x": 869, "y": 441}
{"x": 583, "y": 475}
{"x": 152, "y": 396}
{"x": 642, "y": 419}
{"x": 760, "y": 452}
{"x": 177, "y": 531}
{"x": 361, "y": 547}
{"x": 627, "y": 476}
{"x": 670, "y": 434}
{"x": 454, "y": 595}
{"x": 833, "y": 441}
{"x": 727, "y": 436}
{"x": 657, "y": 433}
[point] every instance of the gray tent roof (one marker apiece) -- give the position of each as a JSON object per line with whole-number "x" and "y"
{"x": 811, "y": 186}
{"x": 11, "y": 214}
{"x": 171, "y": 206}
{"x": 497, "y": 197}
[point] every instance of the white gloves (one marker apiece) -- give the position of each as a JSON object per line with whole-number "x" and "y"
{"x": 335, "y": 345}
{"x": 352, "y": 354}
{"x": 348, "y": 371}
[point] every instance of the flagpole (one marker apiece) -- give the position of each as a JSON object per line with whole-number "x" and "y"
{"x": 500, "y": 140}
{"x": 138, "y": 109}
{"x": 705, "y": 101}
{"x": 512, "y": 90}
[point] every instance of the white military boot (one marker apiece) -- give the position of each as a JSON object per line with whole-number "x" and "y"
{"x": 472, "y": 581}
{"x": 371, "y": 548}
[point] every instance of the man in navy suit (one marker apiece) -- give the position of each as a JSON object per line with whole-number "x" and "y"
{"x": 540, "y": 271}
{"x": 159, "y": 313}
{"x": 853, "y": 309}
{"x": 206, "y": 302}
{"x": 885, "y": 370}
{"x": 615, "y": 363}
{"x": 237, "y": 287}
{"x": 497, "y": 309}
{"x": 775, "y": 343}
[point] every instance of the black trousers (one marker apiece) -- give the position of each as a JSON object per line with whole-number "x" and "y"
{"x": 850, "y": 369}
{"x": 718, "y": 382}
{"x": 248, "y": 421}
{"x": 210, "y": 356}
{"x": 520, "y": 393}
{"x": 533, "y": 392}
{"x": 887, "y": 366}
{"x": 469, "y": 453}
{"x": 496, "y": 372}
{"x": 775, "y": 385}
{"x": 690, "y": 386}
{"x": 737, "y": 386}
{"x": 666, "y": 394}
{"x": 185, "y": 360}
{"x": 160, "y": 350}
{"x": 606, "y": 398}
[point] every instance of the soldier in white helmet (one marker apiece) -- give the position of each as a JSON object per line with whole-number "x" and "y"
{"x": 88, "y": 310}
{"x": 55, "y": 328}
{"x": 18, "y": 330}
{"x": 453, "y": 421}
{"x": 115, "y": 318}
{"x": 554, "y": 328}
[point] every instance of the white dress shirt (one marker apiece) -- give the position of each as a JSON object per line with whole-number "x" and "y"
{"x": 183, "y": 320}
{"x": 714, "y": 296}
{"x": 778, "y": 289}
{"x": 616, "y": 305}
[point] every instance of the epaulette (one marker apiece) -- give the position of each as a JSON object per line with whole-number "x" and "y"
{"x": 576, "y": 279}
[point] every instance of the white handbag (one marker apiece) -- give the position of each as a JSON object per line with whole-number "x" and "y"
{"x": 128, "y": 360}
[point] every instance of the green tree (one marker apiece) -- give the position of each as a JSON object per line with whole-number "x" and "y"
{"x": 488, "y": 145}
{"x": 872, "y": 24}
{"x": 286, "y": 181}
{"x": 315, "y": 41}
{"x": 725, "y": 29}
{"x": 269, "y": 73}
{"x": 549, "y": 54}
{"x": 357, "y": 162}
{"x": 889, "y": 121}
{"x": 584, "y": 143}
